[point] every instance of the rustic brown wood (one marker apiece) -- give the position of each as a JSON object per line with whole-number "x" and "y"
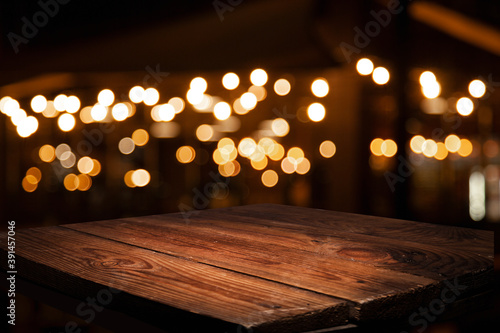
{"x": 67, "y": 260}
{"x": 315, "y": 263}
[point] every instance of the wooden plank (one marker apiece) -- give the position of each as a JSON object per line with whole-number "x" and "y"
{"x": 81, "y": 265}
{"x": 366, "y": 286}
{"x": 477, "y": 241}
{"x": 432, "y": 260}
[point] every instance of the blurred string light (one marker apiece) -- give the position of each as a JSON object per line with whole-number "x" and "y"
{"x": 269, "y": 178}
{"x": 185, "y": 154}
{"x": 258, "y": 77}
{"x": 230, "y": 81}
{"x": 477, "y": 196}
{"x": 47, "y": 153}
{"x": 60, "y": 102}
{"x": 204, "y": 132}
{"x": 440, "y": 150}
{"x": 136, "y": 94}
{"x": 316, "y": 112}
{"x": 137, "y": 178}
{"x": 38, "y": 103}
{"x": 280, "y": 127}
{"x": 177, "y": 103}
{"x": 282, "y": 87}
{"x": 364, "y": 66}
{"x": 380, "y": 75}
{"x": 259, "y": 92}
{"x": 477, "y": 88}
{"x": 465, "y": 106}
{"x": 106, "y": 97}
{"x": 120, "y": 112}
{"x": 66, "y": 122}
{"x": 320, "y": 87}
{"x": 327, "y": 149}
{"x": 72, "y": 104}
{"x": 151, "y": 96}
{"x": 140, "y": 137}
{"x": 222, "y": 111}
{"x": 99, "y": 112}
{"x": 381, "y": 147}
{"x": 248, "y": 101}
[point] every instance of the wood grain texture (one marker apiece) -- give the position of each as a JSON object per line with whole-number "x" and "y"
{"x": 66, "y": 259}
{"x": 266, "y": 267}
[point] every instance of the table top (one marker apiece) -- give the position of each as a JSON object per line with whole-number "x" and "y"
{"x": 261, "y": 267}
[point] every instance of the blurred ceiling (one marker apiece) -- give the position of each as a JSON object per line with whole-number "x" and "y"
{"x": 107, "y": 36}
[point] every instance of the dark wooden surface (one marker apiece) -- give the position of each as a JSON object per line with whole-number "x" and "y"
{"x": 260, "y": 267}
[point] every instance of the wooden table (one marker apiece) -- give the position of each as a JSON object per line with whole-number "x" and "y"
{"x": 259, "y": 267}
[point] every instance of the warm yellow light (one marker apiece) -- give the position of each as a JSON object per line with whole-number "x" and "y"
{"x": 198, "y": 84}
{"x": 85, "y": 115}
{"x": 465, "y": 148}
{"x": 426, "y": 78}
{"x": 72, "y": 104}
{"x": 327, "y": 149}
{"x": 296, "y": 153}
{"x": 303, "y": 166}
{"x": 248, "y": 101}
{"x": 429, "y": 148}
{"x": 27, "y": 186}
{"x": 364, "y": 66}
{"x": 27, "y": 126}
{"x": 185, "y": 154}
{"x": 389, "y": 148}
{"x": 68, "y": 159}
{"x": 452, "y": 143}
{"x": 96, "y": 168}
{"x": 225, "y": 142}
{"x": 277, "y": 153}
{"x": 477, "y": 88}
{"x": 50, "y": 111}
{"x": 431, "y": 89}
{"x": 320, "y": 87}
{"x": 141, "y": 177}
{"x": 442, "y": 152}
{"x": 128, "y": 178}
{"x": 3, "y": 101}
{"x": 282, "y": 87}
{"x": 316, "y": 112}
{"x": 71, "y": 182}
{"x": 266, "y": 145}
{"x": 380, "y": 75}
{"x": 166, "y": 112}
{"x": 106, "y": 97}
{"x": 98, "y": 112}
{"x": 194, "y": 97}
{"x": 204, "y": 132}
{"x": 177, "y": 103}
{"x": 260, "y": 164}
{"x": 269, "y": 178}
{"x": 66, "y": 122}
{"x": 151, "y": 96}
{"x": 47, "y": 153}
{"x": 247, "y": 147}
{"x": 35, "y": 175}
{"x": 136, "y": 94}
{"x": 10, "y": 106}
{"x": 59, "y": 102}
{"x": 230, "y": 81}
{"x": 126, "y": 146}
{"x": 376, "y": 147}
{"x": 38, "y": 103}
{"x": 140, "y": 137}
{"x": 280, "y": 127}
{"x": 84, "y": 182}
{"x": 120, "y": 112}
{"x": 288, "y": 165}
{"x": 465, "y": 106}
{"x": 85, "y": 164}
{"x": 258, "y": 77}
{"x": 259, "y": 92}
{"x": 238, "y": 108}
{"x": 222, "y": 111}
{"x": 416, "y": 144}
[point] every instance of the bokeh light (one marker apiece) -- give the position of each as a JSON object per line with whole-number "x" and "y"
{"x": 98, "y": 112}
{"x": 140, "y": 137}
{"x": 316, "y": 112}
{"x": 151, "y": 96}
{"x": 282, "y": 87}
{"x": 452, "y": 143}
{"x": 466, "y": 148}
{"x": 230, "y": 81}
{"x": 47, "y": 153}
{"x": 280, "y": 127}
{"x": 198, "y": 84}
{"x": 465, "y": 106}
{"x": 136, "y": 94}
{"x": 248, "y": 101}
{"x": 269, "y": 178}
{"x": 364, "y": 66}
{"x": 204, "y": 132}
{"x": 120, "y": 112}
{"x": 185, "y": 154}
{"x": 327, "y": 149}
{"x": 258, "y": 77}
{"x": 222, "y": 111}
{"x": 380, "y": 75}
{"x": 126, "y": 146}
{"x": 141, "y": 177}
{"x": 477, "y": 88}
{"x": 38, "y": 103}
{"x": 105, "y": 97}
{"x": 320, "y": 87}
{"x": 66, "y": 122}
